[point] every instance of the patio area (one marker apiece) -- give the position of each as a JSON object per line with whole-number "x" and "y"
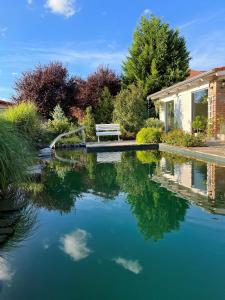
{"x": 214, "y": 151}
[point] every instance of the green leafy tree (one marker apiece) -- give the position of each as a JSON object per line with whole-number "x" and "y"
{"x": 105, "y": 107}
{"x": 89, "y": 122}
{"x": 158, "y": 56}
{"x": 59, "y": 122}
{"x": 130, "y": 108}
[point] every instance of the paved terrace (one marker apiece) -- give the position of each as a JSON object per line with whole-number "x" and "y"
{"x": 213, "y": 151}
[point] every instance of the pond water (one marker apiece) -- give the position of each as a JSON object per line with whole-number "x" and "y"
{"x": 131, "y": 225}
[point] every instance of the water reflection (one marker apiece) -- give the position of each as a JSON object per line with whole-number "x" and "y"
{"x": 75, "y": 244}
{"x": 199, "y": 182}
{"x": 130, "y": 265}
{"x": 156, "y": 210}
{"x": 155, "y": 185}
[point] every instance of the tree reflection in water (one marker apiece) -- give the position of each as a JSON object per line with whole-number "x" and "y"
{"x": 157, "y": 211}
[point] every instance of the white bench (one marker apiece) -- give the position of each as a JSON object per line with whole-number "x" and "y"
{"x": 107, "y": 130}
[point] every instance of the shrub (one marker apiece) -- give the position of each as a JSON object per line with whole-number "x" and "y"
{"x": 174, "y": 137}
{"x": 130, "y": 108}
{"x": 154, "y": 123}
{"x": 59, "y": 123}
{"x": 89, "y": 122}
{"x": 149, "y": 135}
{"x": 24, "y": 118}
{"x": 177, "y": 137}
{"x": 14, "y": 156}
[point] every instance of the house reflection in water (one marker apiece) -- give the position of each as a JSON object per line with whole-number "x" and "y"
{"x": 198, "y": 182}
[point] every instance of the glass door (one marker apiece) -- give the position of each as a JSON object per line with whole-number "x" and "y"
{"x": 169, "y": 115}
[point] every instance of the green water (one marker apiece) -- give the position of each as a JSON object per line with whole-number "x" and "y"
{"x": 132, "y": 225}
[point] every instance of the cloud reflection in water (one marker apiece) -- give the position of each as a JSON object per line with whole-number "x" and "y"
{"x": 130, "y": 265}
{"x": 75, "y": 244}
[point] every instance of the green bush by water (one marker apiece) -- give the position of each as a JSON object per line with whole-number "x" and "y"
{"x": 177, "y": 137}
{"x": 149, "y": 135}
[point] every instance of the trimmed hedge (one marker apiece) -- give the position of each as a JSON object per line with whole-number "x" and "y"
{"x": 149, "y": 135}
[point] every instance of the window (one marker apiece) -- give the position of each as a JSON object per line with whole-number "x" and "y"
{"x": 200, "y": 103}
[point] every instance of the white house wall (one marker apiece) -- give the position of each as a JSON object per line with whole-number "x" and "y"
{"x": 182, "y": 107}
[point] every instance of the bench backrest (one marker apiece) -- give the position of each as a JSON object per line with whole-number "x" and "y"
{"x": 107, "y": 127}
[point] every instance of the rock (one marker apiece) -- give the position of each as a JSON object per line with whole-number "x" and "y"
{"x": 45, "y": 152}
{"x": 35, "y": 170}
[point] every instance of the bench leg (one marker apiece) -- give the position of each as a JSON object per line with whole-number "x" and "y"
{"x": 118, "y": 138}
{"x": 98, "y": 140}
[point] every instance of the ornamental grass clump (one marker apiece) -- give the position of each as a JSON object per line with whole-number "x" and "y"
{"x": 149, "y": 135}
{"x": 25, "y": 119}
{"x": 15, "y": 157}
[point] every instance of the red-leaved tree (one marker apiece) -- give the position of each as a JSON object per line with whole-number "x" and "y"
{"x": 90, "y": 91}
{"x": 47, "y": 86}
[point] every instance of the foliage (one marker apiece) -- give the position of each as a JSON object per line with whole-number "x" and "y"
{"x": 154, "y": 123}
{"x": 47, "y": 86}
{"x": 157, "y": 57}
{"x": 130, "y": 108}
{"x": 24, "y": 118}
{"x": 73, "y": 139}
{"x": 148, "y": 157}
{"x": 105, "y": 107}
{"x": 77, "y": 113}
{"x": 149, "y": 135}
{"x": 89, "y": 123}
{"x": 15, "y": 156}
{"x": 199, "y": 124}
{"x": 177, "y": 137}
{"x": 90, "y": 91}
{"x": 59, "y": 123}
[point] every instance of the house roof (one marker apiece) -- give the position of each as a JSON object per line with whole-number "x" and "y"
{"x": 193, "y": 73}
{"x": 5, "y": 102}
{"x": 200, "y": 76}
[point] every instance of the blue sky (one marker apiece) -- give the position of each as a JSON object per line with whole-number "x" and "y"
{"x": 86, "y": 33}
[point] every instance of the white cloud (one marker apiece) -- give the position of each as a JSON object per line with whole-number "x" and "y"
{"x": 130, "y": 265}
{"x": 14, "y": 73}
{"x": 5, "y": 273}
{"x": 3, "y": 31}
{"x": 147, "y": 12}
{"x": 189, "y": 23}
{"x": 66, "y": 8}
{"x": 75, "y": 244}
{"x": 29, "y": 2}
